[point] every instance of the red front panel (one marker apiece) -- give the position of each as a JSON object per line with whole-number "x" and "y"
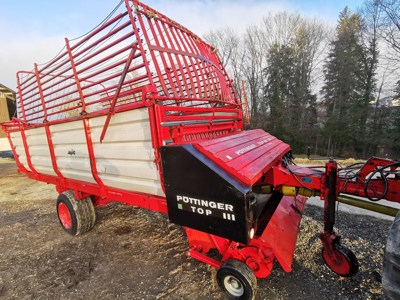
{"x": 281, "y": 232}
{"x": 247, "y": 155}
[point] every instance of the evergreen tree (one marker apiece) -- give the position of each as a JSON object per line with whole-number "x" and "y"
{"x": 397, "y": 90}
{"x": 344, "y": 89}
{"x": 394, "y": 130}
{"x": 290, "y": 107}
{"x": 277, "y": 89}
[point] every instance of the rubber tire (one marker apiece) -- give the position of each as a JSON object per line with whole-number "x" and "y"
{"x": 348, "y": 255}
{"x": 82, "y": 213}
{"x": 241, "y": 272}
{"x": 391, "y": 262}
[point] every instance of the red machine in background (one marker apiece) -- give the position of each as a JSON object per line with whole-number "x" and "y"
{"x": 141, "y": 111}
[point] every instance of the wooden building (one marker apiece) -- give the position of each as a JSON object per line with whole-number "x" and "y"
{"x": 7, "y": 106}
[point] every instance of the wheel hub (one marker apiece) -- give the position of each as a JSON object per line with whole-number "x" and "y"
{"x": 64, "y": 215}
{"x": 233, "y": 286}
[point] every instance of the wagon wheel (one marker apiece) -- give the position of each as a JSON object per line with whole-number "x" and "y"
{"x": 343, "y": 262}
{"x": 75, "y": 216}
{"x": 237, "y": 280}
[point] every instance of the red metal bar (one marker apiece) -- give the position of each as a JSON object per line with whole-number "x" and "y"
{"x": 140, "y": 43}
{"x": 87, "y": 95}
{"x": 63, "y": 63}
{"x": 179, "y": 43}
{"x": 108, "y": 68}
{"x": 65, "y": 109}
{"x": 105, "y": 37}
{"x": 27, "y": 154}
{"x": 53, "y": 155}
{"x": 98, "y": 113}
{"x": 98, "y": 30}
{"x": 154, "y": 59}
{"x": 41, "y": 94}
{"x": 156, "y": 138}
{"x": 171, "y": 61}
{"x": 78, "y": 84}
{"x": 156, "y": 14}
{"x": 121, "y": 82}
{"x": 34, "y": 113}
{"x": 107, "y": 58}
{"x": 194, "y": 63}
{"x": 65, "y": 78}
{"x": 170, "y": 33}
{"x": 146, "y": 201}
{"x": 206, "y": 68}
{"x": 20, "y": 96}
{"x": 164, "y": 98}
{"x": 20, "y": 166}
{"x": 58, "y": 75}
{"x": 133, "y": 91}
{"x": 382, "y": 186}
{"x": 183, "y": 61}
{"x": 158, "y": 131}
{"x": 164, "y": 62}
{"x": 92, "y": 158}
{"x": 204, "y": 258}
{"x": 138, "y": 78}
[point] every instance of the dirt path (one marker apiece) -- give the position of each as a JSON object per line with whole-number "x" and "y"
{"x": 137, "y": 254}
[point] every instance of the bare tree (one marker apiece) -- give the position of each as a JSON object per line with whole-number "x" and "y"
{"x": 226, "y": 41}
{"x": 246, "y": 58}
{"x": 294, "y": 47}
{"x": 229, "y": 46}
{"x": 280, "y": 28}
{"x": 389, "y": 23}
{"x": 252, "y": 67}
{"x": 310, "y": 36}
{"x": 370, "y": 15}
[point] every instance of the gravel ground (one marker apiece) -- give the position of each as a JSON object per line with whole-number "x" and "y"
{"x": 137, "y": 254}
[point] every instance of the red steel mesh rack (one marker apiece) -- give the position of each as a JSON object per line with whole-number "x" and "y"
{"x": 135, "y": 56}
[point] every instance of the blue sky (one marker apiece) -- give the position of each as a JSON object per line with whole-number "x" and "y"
{"x": 35, "y": 30}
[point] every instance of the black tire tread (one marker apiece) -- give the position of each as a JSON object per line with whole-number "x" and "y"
{"x": 391, "y": 261}
{"x": 245, "y": 270}
{"x": 84, "y": 212}
{"x": 350, "y": 257}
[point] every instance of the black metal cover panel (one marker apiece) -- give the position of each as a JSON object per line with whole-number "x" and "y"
{"x": 202, "y": 196}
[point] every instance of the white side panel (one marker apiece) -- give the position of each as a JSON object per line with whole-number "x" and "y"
{"x": 39, "y": 150}
{"x": 16, "y": 139}
{"x": 71, "y": 151}
{"x": 125, "y": 159}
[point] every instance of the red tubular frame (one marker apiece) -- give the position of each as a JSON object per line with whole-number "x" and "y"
{"x": 189, "y": 97}
{"x": 188, "y": 75}
{"x": 355, "y": 185}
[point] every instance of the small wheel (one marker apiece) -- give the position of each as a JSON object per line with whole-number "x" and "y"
{"x": 391, "y": 262}
{"x": 237, "y": 280}
{"x": 75, "y": 216}
{"x": 346, "y": 264}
